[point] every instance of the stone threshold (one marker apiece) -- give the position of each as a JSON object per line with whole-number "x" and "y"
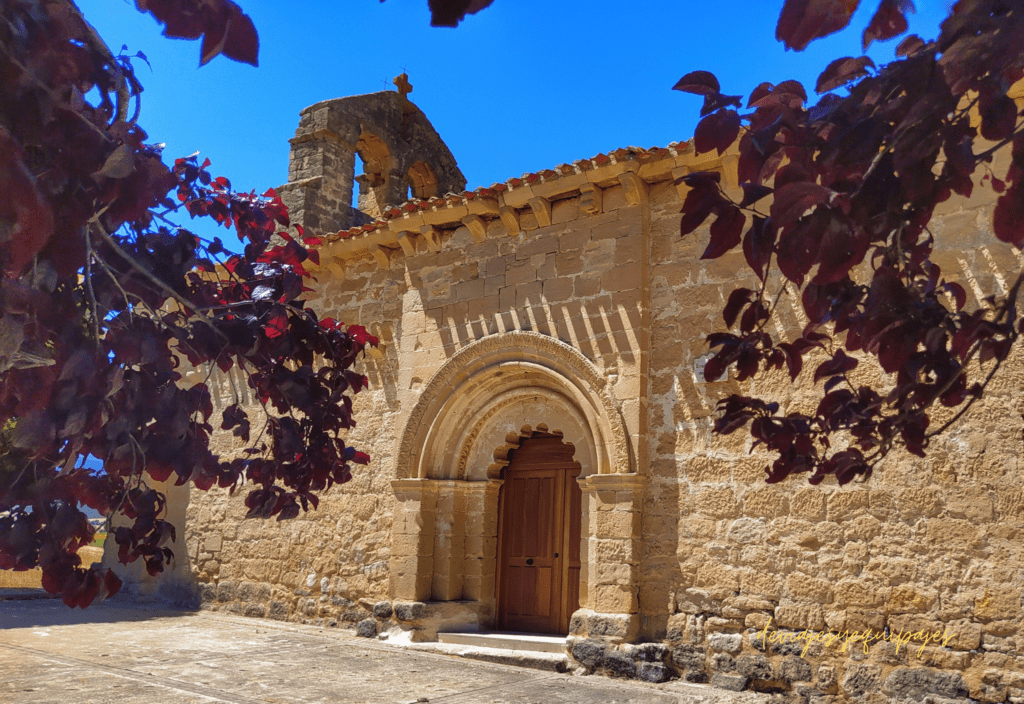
{"x": 535, "y": 651}
{"x": 507, "y": 640}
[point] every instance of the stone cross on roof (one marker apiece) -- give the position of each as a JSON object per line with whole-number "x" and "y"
{"x": 402, "y": 81}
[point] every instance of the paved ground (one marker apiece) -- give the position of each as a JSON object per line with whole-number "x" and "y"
{"x": 144, "y": 655}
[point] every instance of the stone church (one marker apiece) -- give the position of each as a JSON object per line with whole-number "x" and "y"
{"x": 542, "y": 456}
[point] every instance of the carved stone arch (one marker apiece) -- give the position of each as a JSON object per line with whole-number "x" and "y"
{"x": 422, "y": 180}
{"x": 376, "y": 183}
{"x": 448, "y": 477}
{"x": 502, "y": 369}
{"x": 484, "y": 446}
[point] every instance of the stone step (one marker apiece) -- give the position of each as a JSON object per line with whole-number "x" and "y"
{"x": 551, "y": 662}
{"x": 528, "y": 642}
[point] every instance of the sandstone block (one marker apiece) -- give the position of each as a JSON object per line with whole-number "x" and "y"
{"x": 624, "y": 575}
{"x": 410, "y": 610}
{"x": 906, "y": 599}
{"x": 851, "y": 592}
{"x": 906, "y": 682}
{"x": 808, "y": 504}
{"x": 859, "y": 680}
{"x": 799, "y": 617}
{"x": 845, "y": 504}
{"x": 796, "y": 669}
{"x": 802, "y": 587}
{"x": 733, "y": 683}
{"x": 614, "y": 599}
{"x": 997, "y": 602}
{"x": 717, "y": 502}
{"x": 827, "y": 678}
{"x": 557, "y": 290}
{"x": 769, "y": 502}
{"x": 654, "y": 672}
{"x": 726, "y": 642}
{"x": 617, "y": 524}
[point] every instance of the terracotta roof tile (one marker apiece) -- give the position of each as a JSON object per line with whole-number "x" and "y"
{"x": 452, "y": 199}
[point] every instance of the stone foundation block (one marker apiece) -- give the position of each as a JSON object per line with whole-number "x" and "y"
{"x": 733, "y": 683}
{"x": 410, "y": 610}
{"x": 653, "y": 672}
{"x": 226, "y": 591}
{"x": 367, "y": 628}
{"x": 618, "y": 663}
{"x": 689, "y": 657}
{"x": 588, "y": 651}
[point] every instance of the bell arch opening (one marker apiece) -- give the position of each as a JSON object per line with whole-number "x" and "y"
{"x": 375, "y": 182}
{"x": 423, "y": 182}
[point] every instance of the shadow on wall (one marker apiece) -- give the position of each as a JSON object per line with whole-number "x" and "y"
{"x": 604, "y": 329}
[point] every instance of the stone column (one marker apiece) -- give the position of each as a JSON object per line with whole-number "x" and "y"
{"x": 412, "y": 539}
{"x": 481, "y": 547}
{"x": 449, "y": 540}
{"x": 176, "y": 583}
{"x": 612, "y": 557}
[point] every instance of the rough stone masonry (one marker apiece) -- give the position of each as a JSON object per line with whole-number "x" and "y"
{"x": 564, "y": 302}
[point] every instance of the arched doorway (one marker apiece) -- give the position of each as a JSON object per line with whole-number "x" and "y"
{"x": 538, "y": 579}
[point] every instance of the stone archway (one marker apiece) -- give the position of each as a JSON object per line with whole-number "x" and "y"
{"x": 456, "y": 441}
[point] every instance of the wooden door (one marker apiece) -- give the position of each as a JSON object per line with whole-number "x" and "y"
{"x": 539, "y": 567}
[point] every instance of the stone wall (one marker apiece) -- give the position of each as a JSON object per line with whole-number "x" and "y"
{"x": 688, "y": 554}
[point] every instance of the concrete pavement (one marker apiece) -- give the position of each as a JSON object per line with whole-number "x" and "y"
{"x": 134, "y": 654}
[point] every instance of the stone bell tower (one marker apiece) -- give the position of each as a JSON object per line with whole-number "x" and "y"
{"x": 382, "y": 142}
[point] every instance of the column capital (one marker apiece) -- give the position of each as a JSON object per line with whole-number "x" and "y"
{"x": 612, "y": 482}
{"x": 413, "y": 488}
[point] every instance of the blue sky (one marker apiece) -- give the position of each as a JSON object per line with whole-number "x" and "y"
{"x": 522, "y": 86}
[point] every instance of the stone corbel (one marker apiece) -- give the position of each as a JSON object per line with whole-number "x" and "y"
{"x": 476, "y": 226}
{"x": 591, "y": 200}
{"x": 730, "y": 170}
{"x": 681, "y": 188}
{"x": 408, "y": 244}
{"x": 633, "y": 187}
{"x": 432, "y": 237}
{"x": 335, "y": 265}
{"x": 381, "y": 255}
{"x": 542, "y": 210}
{"x": 510, "y": 217}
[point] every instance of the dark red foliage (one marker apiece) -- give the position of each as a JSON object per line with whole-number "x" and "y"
{"x": 102, "y": 300}
{"x": 225, "y": 29}
{"x": 803, "y": 21}
{"x": 448, "y": 13}
{"x": 854, "y": 181}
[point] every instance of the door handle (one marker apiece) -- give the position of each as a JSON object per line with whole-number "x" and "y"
{"x": 529, "y": 560}
{"x": 556, "y": 554}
